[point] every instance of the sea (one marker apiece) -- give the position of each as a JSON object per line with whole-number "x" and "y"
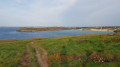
{"x": 10, "y": 33}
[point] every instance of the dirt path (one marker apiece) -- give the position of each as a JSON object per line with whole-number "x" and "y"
{"x": 25, "y": 60}
{"x": 42, "y": 60}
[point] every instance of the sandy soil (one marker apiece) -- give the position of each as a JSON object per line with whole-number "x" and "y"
{"x": 96, "y": 29}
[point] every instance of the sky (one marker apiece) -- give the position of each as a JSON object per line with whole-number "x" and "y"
{"x": 59, "y": 12}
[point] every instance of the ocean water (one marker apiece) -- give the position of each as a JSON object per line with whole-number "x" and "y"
{"x": 8, "y": 33}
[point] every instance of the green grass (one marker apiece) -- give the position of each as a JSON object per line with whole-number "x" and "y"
{"x": 10, "y": 53}
{"x": 65, "y": 51}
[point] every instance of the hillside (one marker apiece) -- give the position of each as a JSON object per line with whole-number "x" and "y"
{"x": 95, "y": 50}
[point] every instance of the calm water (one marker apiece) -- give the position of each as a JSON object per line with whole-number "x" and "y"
{"x": 10, "y": 33}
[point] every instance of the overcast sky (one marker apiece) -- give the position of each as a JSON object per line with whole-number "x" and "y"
{"x": 59, "y": 12}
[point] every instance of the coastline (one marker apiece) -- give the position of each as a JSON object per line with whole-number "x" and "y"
{"x": 96, "y": 30}
{"x": 34, "y": 29}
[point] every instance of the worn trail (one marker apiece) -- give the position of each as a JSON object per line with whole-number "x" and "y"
{"x": 42, "y": 60}
{"x": 26, "y": 59}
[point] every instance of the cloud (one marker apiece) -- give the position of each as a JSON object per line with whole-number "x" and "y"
{"x": 39, "y": 12}
{"x": 105, "y": 13}
{"x": 93, "y": 13}
{"x": 19, "y": 1}
{"x": 108, "y": 16}
{"x": 59, "y": 12}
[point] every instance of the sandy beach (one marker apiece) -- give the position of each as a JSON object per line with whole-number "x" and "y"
{"x": 97, "y": 29}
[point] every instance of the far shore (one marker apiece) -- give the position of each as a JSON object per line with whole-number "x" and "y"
{"x": 96, "y": 29}
{"x": 32, "y": 29}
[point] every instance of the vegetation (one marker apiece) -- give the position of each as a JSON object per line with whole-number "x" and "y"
{"x": 30, "y": 29}
{"x": 117, "y": 30}
{"x": 100, "y": 27}
{"x": 95, "y": 50}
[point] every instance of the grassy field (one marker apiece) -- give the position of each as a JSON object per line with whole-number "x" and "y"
{"x": 95, "y": 50}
